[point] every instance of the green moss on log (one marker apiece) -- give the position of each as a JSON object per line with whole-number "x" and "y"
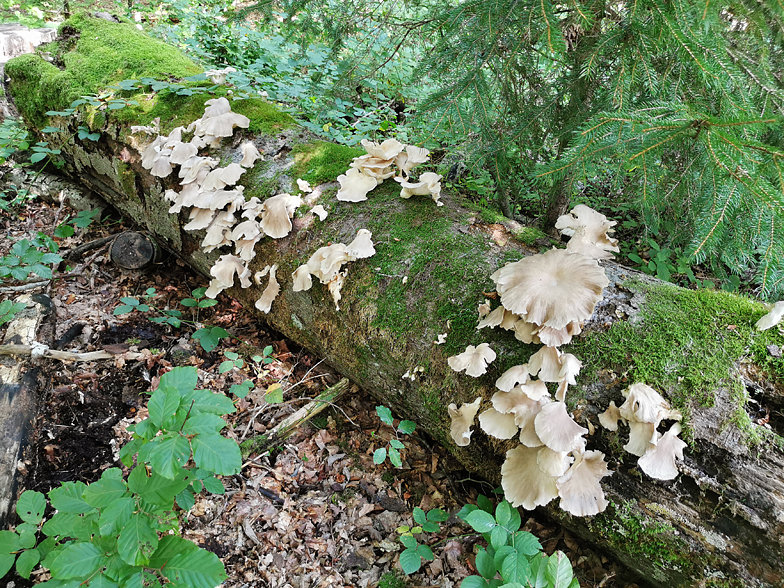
{"x": 319, "y": 162}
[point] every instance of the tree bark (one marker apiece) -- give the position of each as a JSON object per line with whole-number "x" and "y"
{"x": 721, "y": 522}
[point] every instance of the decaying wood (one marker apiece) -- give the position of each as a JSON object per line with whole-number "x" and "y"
{"x": 133, "y": 251}
{"x": 721, "y": 519}
{"x": 44, "y": 351}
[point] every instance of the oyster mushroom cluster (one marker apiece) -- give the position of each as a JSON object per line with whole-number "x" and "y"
{"x": 386, "y": 160}
{"x": 643, "y": 410}
{"x": 214, "y": 202}
{"x": 545, "y": 299}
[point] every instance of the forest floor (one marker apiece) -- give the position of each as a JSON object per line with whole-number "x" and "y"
{"x": 313, "y": 510}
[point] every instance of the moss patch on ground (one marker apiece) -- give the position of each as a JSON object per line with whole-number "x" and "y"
{"x": 687, "y": 342}
{"x": 319, "y": 162}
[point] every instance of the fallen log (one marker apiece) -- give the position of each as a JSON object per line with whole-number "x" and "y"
{"x": 720, "y": 522}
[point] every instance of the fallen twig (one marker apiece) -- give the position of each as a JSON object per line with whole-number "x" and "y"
{"x": 41, "y": 350}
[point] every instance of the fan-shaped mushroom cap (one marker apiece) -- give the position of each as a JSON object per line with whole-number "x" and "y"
{"x": 553, "y": 463}
{"x": 570, "y": 367}
{"x": 302, "y": 279}
{"x": 264, "y": 304}
{"x": 429, "y": 184}
{"x": 218, "y": 232}
{"x": 546, "y": 363}
{"x": 659, "y": 461}
{"x": 609, "y": 418}
{"x": 216, "y": 107}
{"x": 552, "y": 289}
{"x": 377, "y": 168}
{"x": 386, "y": 150}
{"x": 362, "y": 246}
{"x": 225, "y": 269}
{"x": 221, "y": 177}
{"x": 523, "y": 482}
{"x": 473, "y": 360}
{"x": 249, "y": 154}
{"x": 276, "y": 214}
{"x": 556, "y": 428}
{"x": 150, "y": 153}
{"x": 500, "y": 317}
{"x": 412, "y": 157}
{"x": 525, "y": 409}
{"x": 645, "y": 405}
{"x": 219, "y": 126}
{"x": 182, "y": 152}
{"x": 483, "y": 309}
{"x": 304, "y": 185}
{"x": 200, "y": 218}
{"x": 196, "y": 169}
{"x": 513, "y": 376}
{"x": 215, "y": 288}
{"x": 579, "y": 488}
{"x": 319, "y": 211}
{"x": 534, "y": 389}
{"x": 462, "y": 419}
{"x": 218, "y": 76}
{"x": 772, "y": 318}
{"x": 588, "y": 229}
{"x": 557, "y": 337}
{"x": 642, "y": 437}
{"x": 326, "y": 261}
{"x": 354, "y": 186}
{"x": 497, "y": 424}
{"x": 525, "y": 331}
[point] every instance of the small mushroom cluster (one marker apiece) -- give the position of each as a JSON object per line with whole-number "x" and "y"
{"x": 368, "y": 171}
{"x": 326, "y": 262}
{"x": 643, "y": 410}
{"x": 213, "y": 199}
{"x": 545, "y": 299}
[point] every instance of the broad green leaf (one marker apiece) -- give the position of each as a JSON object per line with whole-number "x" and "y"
{"x": 142, "y": 579}
{"x": 480, "y": 521}
{"x": 137, "y": 541}
{"x": 146, "y": 429}
{"x": 425, "y": 552}
{"x": 396, "y": 444}
{"x": 26, "y": 561}
{"x": 559, "y": 570}
{"x": 485, "y": 564}
{"x": 156, "y": 489}
{"x": 117, "y": 570}
{"x": 484, "y": 503}
{"x": 168, "y": 547}
{"x": 516, "y": 568}
{"x": 503, "y": 512}
{"x": 104, "y": 492}
{"x": 466, "y": 510}
{"x": 406, "y": 427}
{"x": 182, "y": 379}
{"x": 163, "y": 403}
{"x": 30, "y": 507}
{"x": 241, "y": 390}
{"x": 77, "y": 560}
{"x": 6, "y": 563}
{"x": 129, "y": 450}
{"x": 9, "y": 541}
{"x": 408, "y": 541}
{"x": 385, "y": 414}
{"x": 474, "y": 582}
{"x": 68, "y": 498}
{"x": 214, "y": 485}
{"x": 185, "y": 500}
{"x": 498, "y": 536}
{"x": 274, "y": 394}
{"x": 26, "y": 539}
{"x": 206, "y": 401}
{"x": 217, "y": 454}
{"x": 430, "y": 527}
{"x": 203, "y": 423}
{"x": 526, "y": 543}
{"x": 101, "y": 581}
{"x": 116, "y": 515}
{"x": 25, "y": 527}
{"x": 195, "y": 569}
{"x": 419, "y": 516}
{"x": 379, "y": 455}
{"x": 394, "y": 457}
{"x": 62, "y": 524}
{"x": 438, "y": 515}
{"x": 169, "y": 455}
{"x": 410, "y": 561}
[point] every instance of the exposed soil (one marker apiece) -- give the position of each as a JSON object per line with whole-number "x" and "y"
{"x": 313, "y": 511}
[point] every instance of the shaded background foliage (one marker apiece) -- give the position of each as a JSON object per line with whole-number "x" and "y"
{"x": 666, "y": 115}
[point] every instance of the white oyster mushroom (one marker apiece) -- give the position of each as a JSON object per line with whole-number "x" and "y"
{"x": 773, "y": 318}
{"x": 462, "y": 420}
{"x": 512, "y": 377}
{"x": 276, "y": 214}
{"x": 609, "y": 418}
{"x": 389, "y": 149}
{"x": 362, "y": 246}
{"x": 579, "y": 488}
{"x": 319, "y": 211}
{"x": 264, "y": 304}
{"x": 304, "y": 186}
{"x": 497, "y": 424}
{"x": 642, "y": 437}
{"x": 524, "y": 483}
{"x": 553, "y": 463}
{"x": 557, "y": 429}
{"x": 429, "y": 184}
{"x": 473, "y": 360}
{"x": 354, "y": 186}
{"x": 660, "y": 461}
{"x": 249, "y": 154}
{"x": 302, "y": 280}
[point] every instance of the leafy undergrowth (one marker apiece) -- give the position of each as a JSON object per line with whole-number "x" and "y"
{"x": 313, "y": 509}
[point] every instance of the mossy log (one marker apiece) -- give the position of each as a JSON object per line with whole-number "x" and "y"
{"x": 721, "y": 522}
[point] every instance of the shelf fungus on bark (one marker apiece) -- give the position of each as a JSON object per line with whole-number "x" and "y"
{"x": 462, "y": 420}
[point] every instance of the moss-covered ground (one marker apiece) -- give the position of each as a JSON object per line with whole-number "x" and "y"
{"x": 319, "y": 162}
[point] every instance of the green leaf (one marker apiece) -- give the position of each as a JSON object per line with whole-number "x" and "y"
{"x": 485, "y": 564}
{"x": 438, "y": 515}
{"x": 209, "y": 337}
{"x": 217, "y": 454}
{"x": 474, "y": 582}
{"x": 137, "y": 541}
{"x": 182, "y": 379}
{"x": 168, "y": 547}
{"x": 225, "y": 366}
{"x": 68, "y": 498}
{"x": 498, "y": 536}
{"x": 394, "y": 457}
{"x": 526, "y": 543}
{"x": 26, "y": 562}
{"x": 559, "y": 570}
{"x": 30, "y": 507}
{"x": 385, "y": 414}
{"x": 142, "y": 579}
{"x": 241, "y": 390}
{"x": 516, "y": 568}
{"x": 207, "y": 303}
{"x": 209, "y": 402}
{"x": 410, "y": 561}
{"x": 63, "y": 231}
{"x": 36, "y": 157}
{"x": 26, "y": 527}
{"x": 185, "y": 500}
{"x": 9, "y": 541}
{"x": 484, "y": 503}
{"x": 396, "y": 444}
{"x": 425, "y": 552}
{"x": 274, "y": 394}
{"x": 419, "y": 516}
{"x": 188, "y": 302}
{"x": 466, "y": 510}
{"x": 61, "y": 524}
{"x": 101, "y": 581}
{"x": 170, "y": 454}
{"x": 77, "y": 560}
{"x": 6, "y": 562}
{"x": 104, "y": 492}
{"x": 379, "y": 455}
{"x": 203, "y": 423}
{"x": 116, "y": 515}
{"x": 430, "y": 527}
{"x": 196, "y": 569}
{"x": 123, "y": 309}
{"x": 406, "y": 427}
{"x": 26, "y": 539}
{"x": 214, "y": 485}
{"x": 481, "y": 521}
{"x": 146, "y": 429}
{"x": 163, "y": 403}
